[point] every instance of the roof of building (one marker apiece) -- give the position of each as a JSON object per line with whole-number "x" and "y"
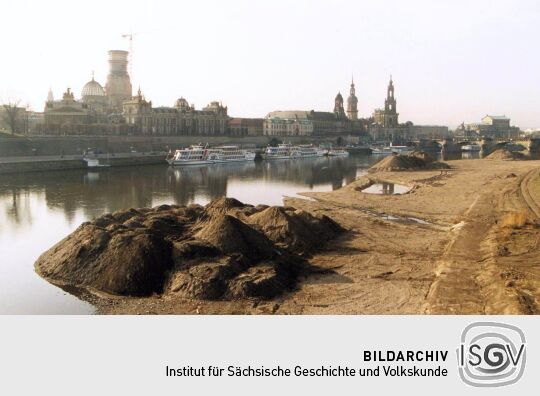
{"x": 493, "y": 117}
{"x": 92, "y": 88}
{"x": 302, "y": 115}
{"x": 323, "y": 115}
{"x": 289, "y": 114}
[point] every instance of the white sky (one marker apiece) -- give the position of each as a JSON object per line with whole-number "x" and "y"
{"x": 452, "y": 61}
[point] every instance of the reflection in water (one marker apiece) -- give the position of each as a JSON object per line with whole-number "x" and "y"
{"x": 39, "y": 209}
{"x": 386, "y": 189}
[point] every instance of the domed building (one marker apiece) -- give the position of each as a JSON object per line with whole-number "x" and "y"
{"x": 183, "y": 104}
{"x": 93, "y": 93}
{"x": 94, "y": 97}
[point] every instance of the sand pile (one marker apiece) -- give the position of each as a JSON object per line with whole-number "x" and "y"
{"x": 413, "y": 161}
{"x": 232, "y": 236}
{"x": 296, "y": 230}
{"x": 504, "y": 154}
{"x": 423, "y": 156}
{"x": 225, "y": 250}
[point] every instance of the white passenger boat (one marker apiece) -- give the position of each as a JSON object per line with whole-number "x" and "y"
{"x": 404, "y": 150}
{"x": 229, "y": 154}
{"x": 93, "y": 163}
{"x": 281, "y": 151}
{"x": 193, "y": 155}
{"x": 308, "y": 150}
{"x": 391, "y": 150}
{"x": 337, "y": 152}
{"x": 471, "y": 147}
{"x": 381, "y": 150}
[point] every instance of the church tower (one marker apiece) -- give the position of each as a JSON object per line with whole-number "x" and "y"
{"x": 50, "y": 96}
{"x": 352, "y": 103}
{"x": 339, "y": 111}
{"x": 390, "y": 111}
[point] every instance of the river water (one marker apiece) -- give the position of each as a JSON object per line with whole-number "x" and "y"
{"x": 39, "y": 209}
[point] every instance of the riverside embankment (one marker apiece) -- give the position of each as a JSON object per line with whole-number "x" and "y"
{"x": 55, "y": 162}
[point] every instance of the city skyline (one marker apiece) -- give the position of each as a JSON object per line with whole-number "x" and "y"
{"x": 258, "y": 58}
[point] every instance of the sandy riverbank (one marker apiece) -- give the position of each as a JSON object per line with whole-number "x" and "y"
{"x": 474, "y": 255}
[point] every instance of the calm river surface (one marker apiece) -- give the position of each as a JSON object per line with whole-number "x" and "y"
{"x": 39, "y": 209}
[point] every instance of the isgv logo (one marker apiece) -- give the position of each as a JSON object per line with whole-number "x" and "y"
{"x": 491, "y": 354}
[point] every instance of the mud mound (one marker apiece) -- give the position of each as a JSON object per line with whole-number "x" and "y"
{"x": 223, "y": 204}
{"x": 122, "y": 262}
{"x": 199, "y": 252}
{"x": 298, "y": 231}
{"x": 266, "y": 280}
{"x": 232, "y": 236}
{"x": 428, "y": 159}
{"x": 206, "y": 280}
{"x": 507, "y": 155}
{"x": 406, "y": 162}
{"x": 230, "y": 206}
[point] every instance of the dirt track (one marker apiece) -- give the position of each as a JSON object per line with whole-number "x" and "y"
{"x": 463, "y": 261}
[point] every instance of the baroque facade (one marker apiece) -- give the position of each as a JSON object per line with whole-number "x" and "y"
{"x": 490, "y": 126}
{"x": 384, "y": 124}
{"x": 181, "y": 119}
{"x": 97, "y": 106}
{"x": 317, "y": 123}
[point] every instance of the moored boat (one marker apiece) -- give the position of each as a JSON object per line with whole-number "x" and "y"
{"x": 471, "y": 147}
{"x": 337, "y": 152}
{"x": 391, "y": 150}
{"x": 193, "y": 155}
{"x": 307, "y": 151}
{"x": 281, "y": 151}
{"x": 93, "y": 163}
{"x": 225, "y": 154}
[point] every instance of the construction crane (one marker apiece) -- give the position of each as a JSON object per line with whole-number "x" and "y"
{"x": 129, "y": 36}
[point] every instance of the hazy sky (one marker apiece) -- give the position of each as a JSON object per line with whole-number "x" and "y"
{"x": 452, "y": 61}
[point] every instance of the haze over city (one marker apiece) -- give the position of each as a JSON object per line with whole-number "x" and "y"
{"x": 456, "y": 61}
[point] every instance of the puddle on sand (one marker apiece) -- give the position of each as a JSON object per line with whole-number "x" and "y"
{"x": 404, "y": 220}
{"x": 386, "y": 189}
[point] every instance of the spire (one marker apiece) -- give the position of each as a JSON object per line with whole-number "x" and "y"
{"x": 92, "y": 75}
{"x": 352, "y": 102}
{"x": 50, "y": 96}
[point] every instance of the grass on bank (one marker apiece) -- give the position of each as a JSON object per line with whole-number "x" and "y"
{"x": 515, "y": 220}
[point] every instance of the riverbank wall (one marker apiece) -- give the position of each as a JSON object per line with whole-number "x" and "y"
{"x": 45, "y": 164}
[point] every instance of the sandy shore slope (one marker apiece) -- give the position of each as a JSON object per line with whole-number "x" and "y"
{"x": 475, "y": 250}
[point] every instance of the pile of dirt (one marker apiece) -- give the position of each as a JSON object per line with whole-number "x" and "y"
{"x": 296, "y": 230}
{"x": 423, "y": 156}
{"x": 413, "y": 161}
{"x": 232, "y": 236}
{"x": 226, "y": 250}
{"x": 507, "y": 155}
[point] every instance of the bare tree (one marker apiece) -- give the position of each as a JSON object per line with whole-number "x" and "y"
{"x": 10, "y": 115}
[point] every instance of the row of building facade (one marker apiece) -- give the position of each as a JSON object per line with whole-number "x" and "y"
{"x": 491, "y": 126}
{"x": 113, "y": 110}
